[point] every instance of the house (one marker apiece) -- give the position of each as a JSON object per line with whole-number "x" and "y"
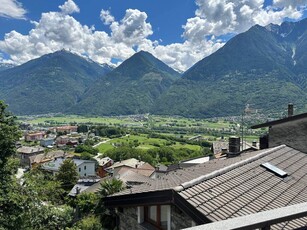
{"x": 217, "y": 190}
{"x": 85, "y": 185}
{"x": 25, "y": 152}
{"x": 131, "y": 177}
{"x": 84, "y": 167}
{"x": 39, "y": 159}
{"x": 66, "y": 140}
{"x": 34, "y": 136}
{"x": 66, "y": 129}
{"x": 45, "y": 142}
{"x": 291, "y": 131}
{"x": 131, "y": 163}
{"x": 103, "y": 163}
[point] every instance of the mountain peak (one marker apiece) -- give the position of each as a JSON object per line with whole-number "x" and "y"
{"x": 145, "y": 62}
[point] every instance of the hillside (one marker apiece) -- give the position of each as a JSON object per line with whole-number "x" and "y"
{"x": 51, "y": 83}
{"x": 264, "y": 67}
{"x": 131, "y": 88}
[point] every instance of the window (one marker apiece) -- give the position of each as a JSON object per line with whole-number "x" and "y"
{"x": 158, "y": 215}
{"x": 79, "y": 169}
{"x": 84, "y": 167}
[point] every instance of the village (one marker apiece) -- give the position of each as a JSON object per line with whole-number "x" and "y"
{"x": 168, "y": 194}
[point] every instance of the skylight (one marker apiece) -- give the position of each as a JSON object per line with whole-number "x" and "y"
{"x": 274, "y": 169}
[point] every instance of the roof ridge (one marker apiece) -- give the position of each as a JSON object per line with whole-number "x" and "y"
{"x": 218, "y": 172}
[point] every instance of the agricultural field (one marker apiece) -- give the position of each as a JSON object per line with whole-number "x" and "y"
{"x": 141, "y": 141}
{"x": 209, "y": 129}
{"x": 74, "y": 119}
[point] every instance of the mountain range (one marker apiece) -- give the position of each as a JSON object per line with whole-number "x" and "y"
{"x": 264, "y": 67}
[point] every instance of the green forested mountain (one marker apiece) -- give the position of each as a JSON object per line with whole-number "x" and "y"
{"x": 51, "y": 83}
{"x": 264, "y": 67}
{"x": 131, "y": 88}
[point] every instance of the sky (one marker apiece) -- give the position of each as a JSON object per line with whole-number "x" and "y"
{"x": 178, "y": 32}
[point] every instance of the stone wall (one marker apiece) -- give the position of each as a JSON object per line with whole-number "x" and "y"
{"x": 129, "y": 219}
{"x": 179, "y": 219}
{"x": 291, "y": 133}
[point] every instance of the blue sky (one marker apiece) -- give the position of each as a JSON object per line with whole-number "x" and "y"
{"x": 179, "y": 32}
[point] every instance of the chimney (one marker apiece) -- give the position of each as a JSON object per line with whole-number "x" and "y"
{"x": 234, "y": 146}
{"x": 290, "y": 110}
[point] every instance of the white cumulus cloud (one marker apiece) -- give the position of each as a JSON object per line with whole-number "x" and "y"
{"x": 219, "y": 17}
{"x": 69, "y": 7}
{"x": 58, "y": 30}
{"x": 12, "y": 9}
{"x": 106, "y": 17}
{"x": 132, "y": 29}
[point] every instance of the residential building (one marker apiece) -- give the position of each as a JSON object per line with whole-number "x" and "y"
{"x": 291, "y": 131}
{"x": 25, "y": 152}
{"x": 42, "y": 158}
{"x": 66, "y": 129}
{"x": 34, "y": 136}
{"x": 103, "y": 163}
{"x": 84, "y": 167}
{"x": 131, "y": 163}
{"x": 217, "y": 190}
{"x": 87, "y": 184}
{"x": 46, "y": 142}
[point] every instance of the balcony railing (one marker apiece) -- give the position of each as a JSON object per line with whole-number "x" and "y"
{"x": 262, "y": 220}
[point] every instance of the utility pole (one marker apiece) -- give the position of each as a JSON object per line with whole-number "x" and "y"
{"x": 242, "y": 130}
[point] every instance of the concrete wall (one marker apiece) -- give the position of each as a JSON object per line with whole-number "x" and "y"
{"x": 291, "y": 133}
{"x": 89, "y": 169}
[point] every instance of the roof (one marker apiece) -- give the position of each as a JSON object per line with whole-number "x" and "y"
{"x": 248, "y": 188}
{"x": 132, "y": 162}
{"x": 46, "y": 156}
{"x": 56, "y": 163}
{"x": 83, "y": 185}
{"x": 102, "y": 161}
{"x": 174, "y": 178}
{"x": 197, "y": 160}
{"x": 29, "y": 150}
{"x": 280, "y": 121}
{"x": 34, "y": 134}
{"x": 129, "y": 176}
{"x": 222, "y": 189}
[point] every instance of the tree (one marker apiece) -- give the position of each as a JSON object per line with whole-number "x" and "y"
{"x": 9, "y": 134}
{"x": 108, "y": 216}
{"x": 68, "y": 175}
{"x": 88, "y": 223}
{"x": 109, "y": 187}
{"x": 86, "y": 202}
{"x": 25, "y": 204}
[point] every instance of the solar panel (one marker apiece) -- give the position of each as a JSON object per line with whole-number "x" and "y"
{"x": 274, "y": 169}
